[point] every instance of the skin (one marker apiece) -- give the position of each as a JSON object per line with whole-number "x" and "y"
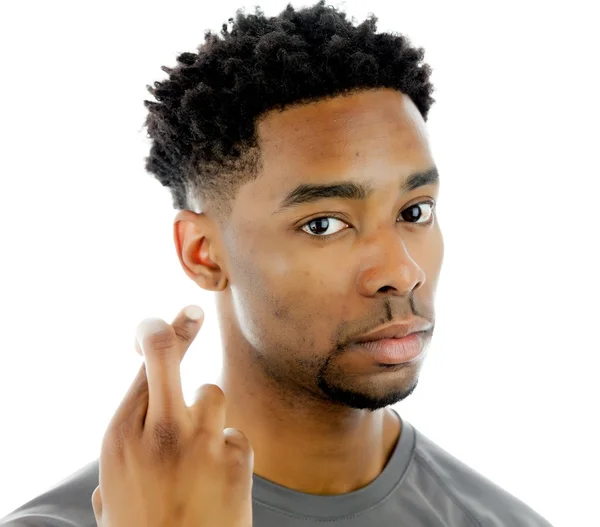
{"x": 289, "y": 302}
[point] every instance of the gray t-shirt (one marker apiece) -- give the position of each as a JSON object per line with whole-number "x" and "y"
{"x": 421, "y": 485}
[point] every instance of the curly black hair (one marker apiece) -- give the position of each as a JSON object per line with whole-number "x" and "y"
{"x": 203, "y": 127}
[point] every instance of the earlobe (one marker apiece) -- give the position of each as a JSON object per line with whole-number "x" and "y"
{"x": 220, "y": 283}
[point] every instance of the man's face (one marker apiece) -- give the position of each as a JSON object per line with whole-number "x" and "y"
{"x": 307, "y": 278}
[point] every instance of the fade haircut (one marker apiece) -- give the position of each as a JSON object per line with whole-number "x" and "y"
{"x": 203, "y": 122}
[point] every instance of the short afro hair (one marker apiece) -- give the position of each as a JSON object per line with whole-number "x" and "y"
{"x": 203, "y": 127}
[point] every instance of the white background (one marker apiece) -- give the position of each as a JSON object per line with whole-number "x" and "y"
{"x": 510, "y": 385}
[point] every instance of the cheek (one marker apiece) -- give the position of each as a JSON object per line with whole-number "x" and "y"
{"x": 435, "y": 256}
{"x": 281, "y": 300}
{"x": 264, "y": 295}
{"x": 430, "y": 255}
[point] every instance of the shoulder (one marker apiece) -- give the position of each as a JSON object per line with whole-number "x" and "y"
{"x": 66, "y": 504}
{"x": 487, "y": 502}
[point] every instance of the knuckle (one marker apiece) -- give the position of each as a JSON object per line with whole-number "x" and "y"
{"x": 185, "y": 331}
{"x": 238, "y": 457}
{"x": 165, "y": 440}
{"x": 161, "y": 340}
{"x": 210, "y": 393}
{"x": 204, "y": 434}
{"x": 207, "y": 444}
{"x": 235, "y": 439}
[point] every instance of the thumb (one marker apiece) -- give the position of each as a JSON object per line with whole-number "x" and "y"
{"x": 97, "y": 505}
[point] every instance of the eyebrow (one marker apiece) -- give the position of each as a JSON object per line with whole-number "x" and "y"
{"x": 309, "y": 193}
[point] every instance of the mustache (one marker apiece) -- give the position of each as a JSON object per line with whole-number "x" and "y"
{"x": 385, "y": 314}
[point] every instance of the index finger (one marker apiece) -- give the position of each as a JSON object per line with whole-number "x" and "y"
{"x": 161, "y": 345}
{"x": 132, "y": 412}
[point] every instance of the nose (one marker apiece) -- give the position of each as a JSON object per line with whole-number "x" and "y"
{"x": 388, "y": 267}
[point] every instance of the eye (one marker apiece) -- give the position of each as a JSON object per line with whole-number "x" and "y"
{"x": 319, "y": 226}
{"x": 414, "y": 212}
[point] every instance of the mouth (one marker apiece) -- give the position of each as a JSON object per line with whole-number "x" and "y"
{"x": 398, "y": 330}
{"x": 393, "y": 351}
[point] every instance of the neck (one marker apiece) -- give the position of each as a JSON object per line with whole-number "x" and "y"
{"x": 302, "y": 443}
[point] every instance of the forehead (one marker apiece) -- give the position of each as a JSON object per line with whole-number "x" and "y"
{"x": 329, "y": 128}
{"x": 374, "y": 134}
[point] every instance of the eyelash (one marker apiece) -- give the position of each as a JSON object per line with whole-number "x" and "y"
{"x": 335, "y": 216}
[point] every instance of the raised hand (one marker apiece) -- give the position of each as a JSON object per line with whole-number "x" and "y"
{"x": 163, "y": 463}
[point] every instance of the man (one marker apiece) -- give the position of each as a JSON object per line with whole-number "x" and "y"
{"x": 296, "y": 150}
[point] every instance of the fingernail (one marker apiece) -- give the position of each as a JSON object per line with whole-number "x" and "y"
{"x": 194, "y": 312}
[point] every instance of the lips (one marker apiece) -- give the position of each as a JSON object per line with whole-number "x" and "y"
{"x": 394, "y": 351}
{"x": 395, "y": 331}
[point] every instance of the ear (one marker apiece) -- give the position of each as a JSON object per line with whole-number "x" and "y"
{"x": 197, "y": 240}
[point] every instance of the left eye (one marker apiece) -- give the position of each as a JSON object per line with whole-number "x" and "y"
{"x": 413, "y": 214}
{"x": 415, "y": 210}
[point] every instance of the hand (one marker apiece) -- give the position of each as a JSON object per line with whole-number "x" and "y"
{"x": 163, "y": 463}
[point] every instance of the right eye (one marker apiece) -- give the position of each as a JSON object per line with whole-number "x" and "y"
{"x": 318, "y": 227}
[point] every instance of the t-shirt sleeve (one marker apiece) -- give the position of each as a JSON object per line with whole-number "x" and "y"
{"x": 33, "y": 520}
{"x": 67, "y": 504}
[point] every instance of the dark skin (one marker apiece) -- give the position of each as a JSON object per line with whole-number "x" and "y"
{"x": 290, "y": 299}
